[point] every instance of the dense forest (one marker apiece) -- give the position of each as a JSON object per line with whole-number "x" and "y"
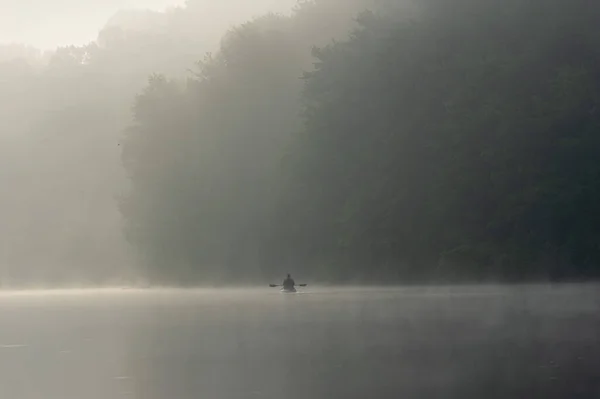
{"x": 346, "y": 141}
{"x": 62, "y": 117}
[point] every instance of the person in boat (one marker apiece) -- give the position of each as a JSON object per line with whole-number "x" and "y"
{"x": 288, "y": 283}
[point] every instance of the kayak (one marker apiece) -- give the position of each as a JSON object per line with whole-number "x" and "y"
{"x": 288, "y": 290}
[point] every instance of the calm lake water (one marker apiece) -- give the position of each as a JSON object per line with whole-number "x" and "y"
{"x": 460, "y": 342}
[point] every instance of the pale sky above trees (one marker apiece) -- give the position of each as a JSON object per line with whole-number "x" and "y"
{"x": 46, "y": 24}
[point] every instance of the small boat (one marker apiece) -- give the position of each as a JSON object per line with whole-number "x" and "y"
{"x": 288, "y": 290}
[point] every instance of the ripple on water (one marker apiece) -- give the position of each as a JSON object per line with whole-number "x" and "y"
{"x": 13, "y": 346}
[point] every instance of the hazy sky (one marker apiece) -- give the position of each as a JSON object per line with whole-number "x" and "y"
{"x": 50, "y": 23}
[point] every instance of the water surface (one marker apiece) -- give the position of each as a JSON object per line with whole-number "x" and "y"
{"x": 461, "y": 342}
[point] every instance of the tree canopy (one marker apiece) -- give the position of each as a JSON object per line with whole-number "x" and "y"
{"x": 436, "y": 141}
{"x": 344, "y": 140}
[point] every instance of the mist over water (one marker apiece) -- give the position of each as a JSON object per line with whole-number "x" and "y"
{"x": 492, "y": 341}
{"x": 205, "y": 143}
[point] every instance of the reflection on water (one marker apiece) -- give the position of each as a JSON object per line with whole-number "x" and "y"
{"x": 462, "y": 342}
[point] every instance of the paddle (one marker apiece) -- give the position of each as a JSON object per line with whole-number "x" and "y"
{"x": 279, "y": 285}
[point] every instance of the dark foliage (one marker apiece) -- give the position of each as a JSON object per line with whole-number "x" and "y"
{"x": 440, "y": 141}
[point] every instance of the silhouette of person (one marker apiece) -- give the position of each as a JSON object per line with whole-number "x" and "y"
{"x": 288, "y": 283}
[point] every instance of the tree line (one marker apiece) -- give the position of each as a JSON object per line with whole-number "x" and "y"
{"x": 434, "y": 141}
{"x": 345, "y": 141}
{"x": 62, "y": 116}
